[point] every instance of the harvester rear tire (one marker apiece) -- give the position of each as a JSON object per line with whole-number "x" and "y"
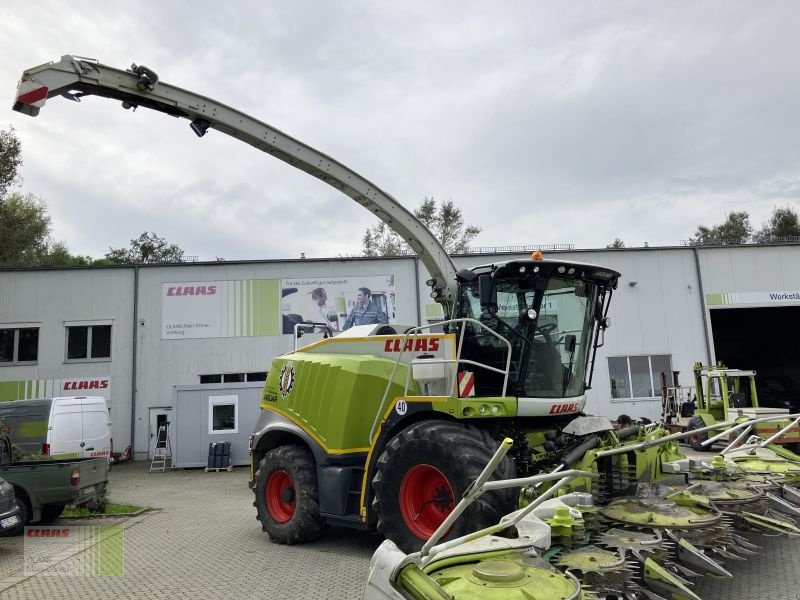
{"x": 287, "y": 497}
{"x": 422, "y": 474}
{"x": 697, "y": 439}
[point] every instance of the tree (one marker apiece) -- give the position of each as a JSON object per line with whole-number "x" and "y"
{"x": 59, "y": 256}
{"x": 24, "y": 229}
{"x": 617, "y": 243}
{"x": 444, "y": 220}
{"x": 10, "y": 160}
{"x": 147, "y": 248}
{"x": 736, "y": 229}
{"x": 784, "y": 223}
{"x": 25, "y": 224}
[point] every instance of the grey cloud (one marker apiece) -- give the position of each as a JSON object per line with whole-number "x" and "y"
{"x": 545, "y": 122}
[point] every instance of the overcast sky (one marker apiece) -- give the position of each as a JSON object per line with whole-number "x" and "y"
{"x": 546, "y": 122}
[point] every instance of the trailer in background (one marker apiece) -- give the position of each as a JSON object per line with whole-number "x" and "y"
{"x": 213, "y": 413}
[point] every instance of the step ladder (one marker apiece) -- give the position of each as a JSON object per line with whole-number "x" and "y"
{"x": 162, "y": 453}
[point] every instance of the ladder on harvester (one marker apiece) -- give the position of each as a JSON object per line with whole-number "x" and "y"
{"x": 162, "y": 453}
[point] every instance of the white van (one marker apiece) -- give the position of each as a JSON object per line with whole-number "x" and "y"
{"x": 68, "y": 427}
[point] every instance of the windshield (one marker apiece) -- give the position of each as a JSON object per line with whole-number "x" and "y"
{"x": 549, "y": 351}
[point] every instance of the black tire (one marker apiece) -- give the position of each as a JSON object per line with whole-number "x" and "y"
{"x": 51, "y": 513}
{"x": 443, "y": 450}
{"x": 289, "y": 510}
{"x": 697, "y": 439}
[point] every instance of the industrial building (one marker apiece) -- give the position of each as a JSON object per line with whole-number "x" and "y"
{"x": 135, "y": 333}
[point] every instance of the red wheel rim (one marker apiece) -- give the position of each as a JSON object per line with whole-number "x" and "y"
{"x": 280, "y": 496}
{"x": 426, "y": 498}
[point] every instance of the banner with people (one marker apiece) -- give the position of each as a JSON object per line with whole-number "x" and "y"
{"x": 339, "y": 302}
{"x": 270, "y": 307}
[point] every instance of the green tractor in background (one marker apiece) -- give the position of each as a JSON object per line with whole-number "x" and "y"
{"x": 723, "y": 394}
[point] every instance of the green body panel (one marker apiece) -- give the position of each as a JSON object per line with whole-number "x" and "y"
{"x": 477, "y": 408}
{"x": 334, "y": 397}
{"x": 505, "y": 578}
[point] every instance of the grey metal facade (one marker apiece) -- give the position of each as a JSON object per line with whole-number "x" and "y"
{"x": 661, "y": 308}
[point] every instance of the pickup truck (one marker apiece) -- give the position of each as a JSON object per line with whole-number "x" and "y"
{"x": 44, "y": 487}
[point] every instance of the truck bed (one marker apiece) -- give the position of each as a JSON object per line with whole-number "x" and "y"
{"x": 57, "y": 482}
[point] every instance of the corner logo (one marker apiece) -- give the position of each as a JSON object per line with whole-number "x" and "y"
{"x": 286, "y": 382}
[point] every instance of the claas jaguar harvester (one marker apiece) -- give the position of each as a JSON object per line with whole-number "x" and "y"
{"x": 386, "y": 426}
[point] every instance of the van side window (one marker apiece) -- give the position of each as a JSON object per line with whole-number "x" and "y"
{"x": 19, "y": 345}
{"x": 86, "y": 342}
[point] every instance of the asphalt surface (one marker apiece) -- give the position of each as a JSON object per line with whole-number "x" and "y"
{"x": 204, "y": 542}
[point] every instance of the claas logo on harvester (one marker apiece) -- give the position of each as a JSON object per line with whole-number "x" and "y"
{"x": 559, "y": 409}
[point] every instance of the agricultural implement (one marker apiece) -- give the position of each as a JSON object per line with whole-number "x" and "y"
{"x": 651, "y": 541}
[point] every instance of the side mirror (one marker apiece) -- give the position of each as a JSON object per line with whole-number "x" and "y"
{"x": 570, "y": 342}
{"x": 487, "y": 291}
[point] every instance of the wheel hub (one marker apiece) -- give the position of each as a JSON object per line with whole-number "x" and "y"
{"x": 280, "y": 496}
{"x": 426, "y": 498}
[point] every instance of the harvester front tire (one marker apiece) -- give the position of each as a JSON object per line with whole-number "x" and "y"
{"x": 697, "y": 439}
{"x": 287, "y": 497}
{"x": 421, "y": 476}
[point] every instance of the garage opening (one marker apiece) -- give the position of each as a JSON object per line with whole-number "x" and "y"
{"x": 764, "y": 339}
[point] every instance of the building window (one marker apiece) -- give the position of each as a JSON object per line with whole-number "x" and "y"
{"x": 223, "y": 414}
{"x": 19, "y": 345}
{"x": 638, "y": 376}
{"x": 233, "y": 377}
{"x": 88, "y": 342}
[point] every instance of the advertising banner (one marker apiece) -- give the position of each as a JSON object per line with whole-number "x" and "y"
{"x": 268, "y": 307}
{"x": 211, "y": 309}
{"x": 340, "y": 302}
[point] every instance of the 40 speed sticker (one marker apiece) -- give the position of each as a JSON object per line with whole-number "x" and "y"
{"x": 401, "y": 407}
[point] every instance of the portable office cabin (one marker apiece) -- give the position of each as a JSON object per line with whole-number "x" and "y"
{"x": 220, "y": 412}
